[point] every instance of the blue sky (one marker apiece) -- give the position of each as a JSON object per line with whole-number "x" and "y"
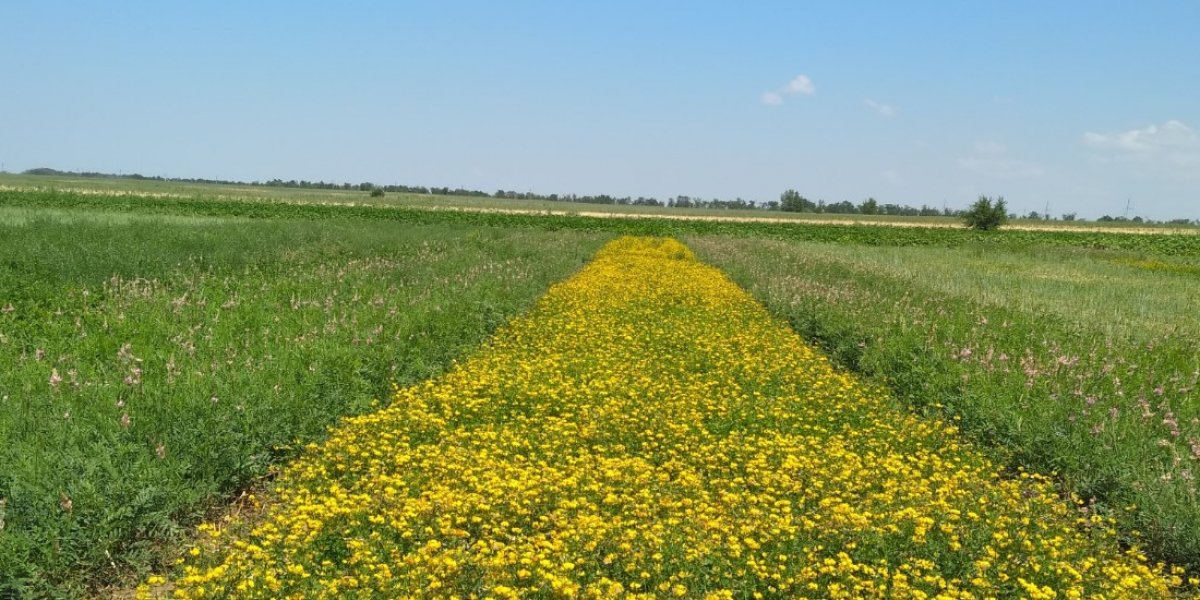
{"x": 1081, "y": 106}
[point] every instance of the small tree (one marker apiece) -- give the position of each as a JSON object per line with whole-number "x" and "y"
{"x": 986, "y": 214}
{"x": 792, "y": 201}
{"x": 870, "y": 206}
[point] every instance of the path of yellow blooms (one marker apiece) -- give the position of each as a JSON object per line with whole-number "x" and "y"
{"x": 648, "y": 430}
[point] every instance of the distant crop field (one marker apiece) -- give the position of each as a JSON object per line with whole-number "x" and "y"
{"x": 162, "y": 352}
{"x": 168, "y": 189}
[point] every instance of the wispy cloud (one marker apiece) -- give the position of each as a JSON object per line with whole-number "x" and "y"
{"x": 1172, "y": 135}
{"x": 1172, "y": 148}
{"x": 800, "y": 85}
{"x": 991, "y": 159}
{"x": 772, "y": 99}
{"x": 879, "y": 108}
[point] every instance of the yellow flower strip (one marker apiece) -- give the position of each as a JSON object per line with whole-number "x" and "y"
{"x": 649, "y": 430}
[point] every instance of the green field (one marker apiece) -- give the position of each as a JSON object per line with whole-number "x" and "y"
{"x": 151, "y": 366}
{"x": 159, "y": 354}
{"x": 649, "y": 430}
{"x": 1082, "y": 364}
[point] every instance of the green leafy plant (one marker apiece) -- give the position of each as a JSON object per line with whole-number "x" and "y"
{"x": 986, "y": 214}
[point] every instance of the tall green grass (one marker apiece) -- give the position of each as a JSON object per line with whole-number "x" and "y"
{"x": 1077, "y": 362}
{"x": 150, "y": 367}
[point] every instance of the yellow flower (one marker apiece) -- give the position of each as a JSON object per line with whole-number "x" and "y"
{"x": 645, "y": 425}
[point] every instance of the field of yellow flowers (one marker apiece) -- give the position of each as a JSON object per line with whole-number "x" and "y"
{"x": 648, "y": 430}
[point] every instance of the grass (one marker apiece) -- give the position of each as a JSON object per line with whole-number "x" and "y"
{"x": 1075, "y": 362}
{"x": 26, "y": 215}
{"x": 153, "y": 365}
{"x": 216, "y": 332}
{"x": 647, "y": 430}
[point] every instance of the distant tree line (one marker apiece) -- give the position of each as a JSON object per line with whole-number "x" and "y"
{"x": 1181, "y": 222}
{"x": 792, "y": 201}
{"x": 789, "y": 201}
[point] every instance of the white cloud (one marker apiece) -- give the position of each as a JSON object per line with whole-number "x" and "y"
{"x": 990, "y": 159}
{"x": 801, "y": 84}
{"x": 1172, "y": 135}
{"x": 883, "y": 110}
{"x": 1172, "y": 148}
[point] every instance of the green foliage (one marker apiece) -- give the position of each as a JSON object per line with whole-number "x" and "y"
{"x": 1066, "y": 361}
{"x": 151, "y": 367}
{"x": 870, "y": 206}
{"x": 792, "y": 201}
{"x": 987, "y": 214}
{"x": 377, "y": 193}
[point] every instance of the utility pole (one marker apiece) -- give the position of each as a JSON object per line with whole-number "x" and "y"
{"x": 1128, "y": 202}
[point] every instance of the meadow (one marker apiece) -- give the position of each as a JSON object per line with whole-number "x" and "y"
{"x": 648, "y": 431}
{"x": 1074, "y": 362}
{"x": 153, "y": 366}
{"x": 160, "y": 355}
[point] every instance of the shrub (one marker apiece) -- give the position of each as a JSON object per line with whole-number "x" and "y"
{"x": 986, "y": 214}
{"x": 377, "y": 193}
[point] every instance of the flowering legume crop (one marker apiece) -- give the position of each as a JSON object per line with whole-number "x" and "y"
{"x": 648, "y": 430}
